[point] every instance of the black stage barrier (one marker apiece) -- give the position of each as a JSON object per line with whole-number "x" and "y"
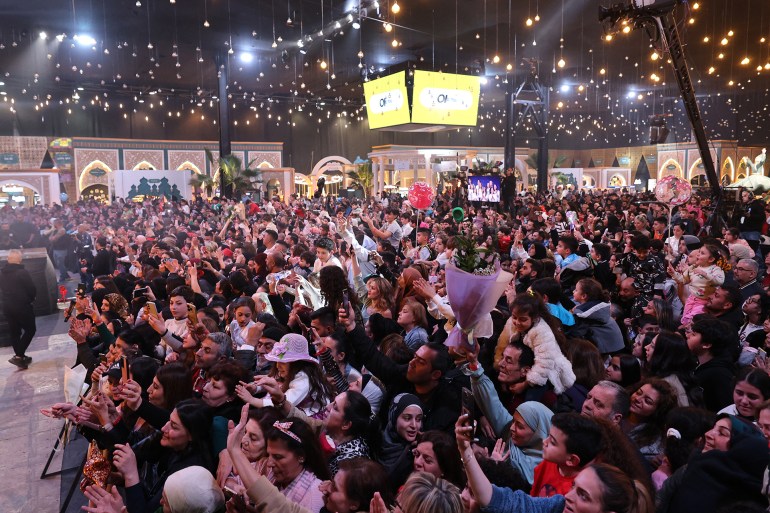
{"x": 40, "y": 268}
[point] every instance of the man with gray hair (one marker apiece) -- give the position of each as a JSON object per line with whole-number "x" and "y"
{"x": 607, "y": 400}
{"x": 19, "y": 294}
{"x": 745, "y": 273}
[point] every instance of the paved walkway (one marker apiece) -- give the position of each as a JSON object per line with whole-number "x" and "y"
{"x": 26, "y": 436}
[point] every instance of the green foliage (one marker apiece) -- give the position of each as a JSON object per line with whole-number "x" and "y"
{"x": 234, "y": 178}
{"x": 364, "y": 176}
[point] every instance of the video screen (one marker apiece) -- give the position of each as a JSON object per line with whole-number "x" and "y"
{"x": 445, "y": 98}
{"x": 386, "y": 101}
{"x": 484, "y": 188}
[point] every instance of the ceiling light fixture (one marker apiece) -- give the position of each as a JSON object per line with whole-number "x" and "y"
{"x": 395, "y": 7}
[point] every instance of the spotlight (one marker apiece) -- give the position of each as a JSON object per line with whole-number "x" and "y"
{"x": 43, "y": 35}
{"x": 60, "y": 37}
{"x": 246, "y": 57}
{"x": 356, "y": 25}
{"x": 84, "y": 40}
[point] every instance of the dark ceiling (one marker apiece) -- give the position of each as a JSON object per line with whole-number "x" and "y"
{"x": 149, "y": 51}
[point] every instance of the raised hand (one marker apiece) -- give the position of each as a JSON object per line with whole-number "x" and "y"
{"x": 102, "y": 501}
{"x": 500, "y": 452}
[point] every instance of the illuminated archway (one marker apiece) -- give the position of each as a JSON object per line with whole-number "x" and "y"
{"x": 93, "y": 173}
{"x": 323, "y": 165}
{"x": 265, "y": 165}
{"x": 12, "y": 190}
{"x": 588, "y": 181}
{"x": 617, "y": 180}
{"x": 697, "y": 174}
{"x": 670, "y": 167}
{"x": 189, "y": 166}
{"x": 144, "y": 166}
{"x": 728, "y": 168}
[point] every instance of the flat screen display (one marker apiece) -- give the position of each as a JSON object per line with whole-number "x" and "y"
{"x": 484, "y": 188}
{"x": 445, "y": 99}
{"x": 387, "y": 103}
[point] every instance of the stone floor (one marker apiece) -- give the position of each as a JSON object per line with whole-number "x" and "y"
{"x": 26, "y": 436}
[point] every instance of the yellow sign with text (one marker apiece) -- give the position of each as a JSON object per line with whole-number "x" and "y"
{"x": 386, "y": 101}
{"x": 445, "y": 98}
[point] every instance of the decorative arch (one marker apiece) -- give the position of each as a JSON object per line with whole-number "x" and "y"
{"x": 189, "y": 166}
{"x": 265, "y": 165}
{"x": 86, "y": 178}
{"x": 588, "y": 181}
{"x": 695, "y": 170}
{"x": 617, "y": 180}
{"x": 144, "y": 166}
{"x": 670, "y": 167}
{"x": 322, "y": 164}
{"x": 22, "y": 183}
{"x": 728, "y": 168}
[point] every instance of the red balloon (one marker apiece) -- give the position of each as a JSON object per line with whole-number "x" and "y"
{"x": 421, "y": 195}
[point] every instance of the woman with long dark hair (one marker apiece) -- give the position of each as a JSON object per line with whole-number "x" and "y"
{"x": 185, "y": 442}
{"x": 669, "y": 358}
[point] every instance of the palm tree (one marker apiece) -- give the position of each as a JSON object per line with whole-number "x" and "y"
{"x": 233, "y": 177}
{"x": 363, "y": 176}
{"x": 531, "y": 161}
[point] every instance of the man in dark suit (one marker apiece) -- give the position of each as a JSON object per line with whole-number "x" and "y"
{"x": 19, "y": 294}
{"x": 104, "y": 261}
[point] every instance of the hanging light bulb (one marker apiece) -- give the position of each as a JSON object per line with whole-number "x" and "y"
{"x": 394, "y": 43}
{"x": 745, "y": 61}
{"x": 537, "y": 17}
{"x": 496, "y": 59}
{"x": 529, "y": 22}
{"x": 274, "y": 45}
{"x": 138, "y": 3}
{"x": 509, "y": 67}
{"x": 388, "y": 27}
{"x": 360, "y": 54}
{"x": 395, "y": 7}
{"x": 206, "y": 24}
{"x": 323, "y": 65}
{"x": 561, "y": 63}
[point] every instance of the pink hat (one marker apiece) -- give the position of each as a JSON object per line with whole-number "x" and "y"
{"x": 227, "y": 253}
{"x": 291, "y": 348}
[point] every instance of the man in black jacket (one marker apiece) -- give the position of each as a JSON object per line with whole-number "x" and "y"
{"x": 424, "y": 376}
{"x": 18, "y": 295}
{"x": 751, "y": 221}
{"x": 104, "y": 261}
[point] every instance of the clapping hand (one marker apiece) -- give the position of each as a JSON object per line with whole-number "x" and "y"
{"x": 102, "y": 501}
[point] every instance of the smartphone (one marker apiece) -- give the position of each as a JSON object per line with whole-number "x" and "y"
{"x": 229, "y": 493}
{"x": 195, "y": 261}
{"x": 192, "y": 314}
{"x": 81, "y": 290}
{"x": 432, "y": 279}
{"x": 762, "y": 354}
{"x": 468, "y": 404}
{"x": 346, "y": 301}
{"x": 124, "y": 369}
{"x": 151, "y": 309}
{"x": 141, "y": 292}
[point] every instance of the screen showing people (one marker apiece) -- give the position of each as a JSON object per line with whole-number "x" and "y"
{"x": 484, "y": 188}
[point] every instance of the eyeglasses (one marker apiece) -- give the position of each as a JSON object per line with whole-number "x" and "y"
{"x": 743, "y": 269}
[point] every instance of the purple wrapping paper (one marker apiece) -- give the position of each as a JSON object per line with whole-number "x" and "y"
{"x": 471, "y": 297}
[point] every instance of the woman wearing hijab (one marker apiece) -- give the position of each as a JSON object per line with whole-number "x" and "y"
{"x": 399, "y": 438}
{"x": 528, "y": 425}
{"x": 406, "y": 288}
{"x": 728, "y": 470}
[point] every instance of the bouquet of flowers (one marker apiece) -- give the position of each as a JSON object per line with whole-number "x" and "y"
{"x": 474, "y": 284}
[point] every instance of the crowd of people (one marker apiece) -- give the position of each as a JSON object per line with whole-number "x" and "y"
{"x": 290, "y": 355}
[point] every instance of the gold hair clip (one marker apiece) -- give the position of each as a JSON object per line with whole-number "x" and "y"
{"x": 530, "y": 292}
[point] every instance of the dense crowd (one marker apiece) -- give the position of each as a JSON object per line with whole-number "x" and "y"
{"x": 290, "y": 356}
